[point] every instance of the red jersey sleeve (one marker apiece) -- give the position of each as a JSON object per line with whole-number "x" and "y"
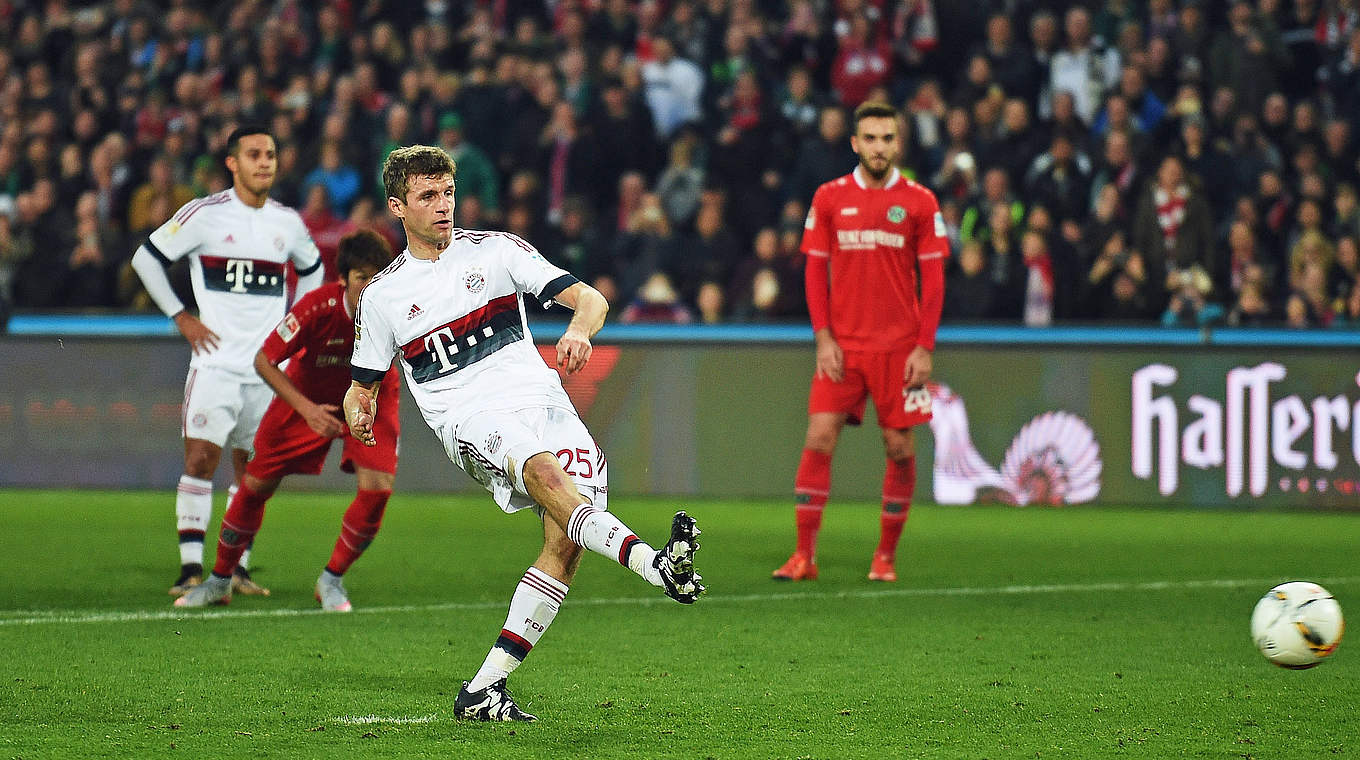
{"x": 817, "y": 247}
{"x": 817, "y": 226}
{"x": 931, "y": 238}
{"x": 290, "y": 336}
{"x": 932, "y": 247}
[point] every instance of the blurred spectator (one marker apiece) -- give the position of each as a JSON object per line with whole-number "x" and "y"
{"x": 1174, "y": 230}
{"x": 681, "y": 181}
{"x": 566, "y": 160}
{"x": 476, "y": 174}
{"x": 1059, "y": 179}
{"x": 340, "y": 179}
{"x": 155, "y": 200}
{"x": 1115, "y": 284}
{"x": 1247, "y": 56}
{"x": 822, "y": 157}
{"x": 707, "y": 255}
{"x": 645, "y": 246}
{"x": 768, "y": 285}
{"x": 674, "y": 87}
{"x": 656, "y": 302}
{"x": 1085, "y": 67}
{"x": 968, "y": 290}
{"x": 863, "y": 62}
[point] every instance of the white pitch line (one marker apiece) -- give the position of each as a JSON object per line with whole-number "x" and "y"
{"x": 71, "y": 617}
{"x": 368, "y": 720}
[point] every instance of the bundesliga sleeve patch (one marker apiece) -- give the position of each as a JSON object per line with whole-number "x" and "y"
{"x": 940, "y": 230}
{"x": 288, "y": 328}
{"x": 811, "y": 220}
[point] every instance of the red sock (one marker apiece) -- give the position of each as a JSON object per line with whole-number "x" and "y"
{"x": 239, "y": 526}
{"x": 357, "y": 529}
{"x": 810, "y": 489}
{"x": 899, "y": 481}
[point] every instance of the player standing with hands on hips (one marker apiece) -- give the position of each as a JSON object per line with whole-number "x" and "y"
{"x": 867, "y": 234}
{"x": 452, "y": 307}
{"x": 238, "y": 242}
{"x": 317, "y": 335}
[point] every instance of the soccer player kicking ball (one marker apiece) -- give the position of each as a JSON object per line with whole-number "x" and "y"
{"x": 866, "y": 236}
{"x": 296, "y": 432}
{"x": 451, "y": 306}
{"x": 237, "y": 242}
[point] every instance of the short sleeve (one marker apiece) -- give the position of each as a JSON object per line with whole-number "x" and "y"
{"x": 180, "y": 235}
{"x": 817, "y": 226}
{"x": 374, "y": 341}
{"x": 532, "y": 273}
{"x": 305, "y": 255}
{"x": 931, "y": 236}
{"x": 290, "y": 335}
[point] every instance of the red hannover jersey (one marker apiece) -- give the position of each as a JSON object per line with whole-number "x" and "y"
{"x": 319, "y": 334}
{"x": 873, "y": 240}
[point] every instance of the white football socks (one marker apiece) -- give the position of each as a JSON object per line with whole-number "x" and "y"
{"x": 532, "y": 609}
{"x": 601, "y": 532}
{"x": 193, "y": 509}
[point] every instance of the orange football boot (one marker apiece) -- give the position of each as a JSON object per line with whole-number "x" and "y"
{"x": 800, "y": 567}
{"x": 881, "y": 569}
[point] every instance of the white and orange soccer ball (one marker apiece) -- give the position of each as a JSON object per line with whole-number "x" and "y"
{"x": 1297, "y": 625}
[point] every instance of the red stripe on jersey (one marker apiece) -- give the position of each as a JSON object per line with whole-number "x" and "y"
{"x": 465, "y": 324}
{"x": 191, "y": 209}
{"x": 260, "y": 265}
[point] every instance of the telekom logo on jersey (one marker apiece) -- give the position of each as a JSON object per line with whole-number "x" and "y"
{"x": 863, "y": 239}
{"x": 239, "y": 275}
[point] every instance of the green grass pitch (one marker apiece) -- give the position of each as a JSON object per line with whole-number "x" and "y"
{"x": 1014, "y": 633}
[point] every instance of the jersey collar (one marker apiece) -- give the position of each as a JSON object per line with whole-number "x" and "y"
{"x": 893, "y": 178}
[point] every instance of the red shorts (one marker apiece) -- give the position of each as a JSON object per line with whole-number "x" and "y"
{"x": 285, "y": 445}
{"x": 878, "y": 374}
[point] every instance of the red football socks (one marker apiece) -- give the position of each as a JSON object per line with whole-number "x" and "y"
{"x": 811, "y": 487}
{"x": 357, "y": 529}
{"x": 899, "y": 482}
{"x": 239, "y": 526}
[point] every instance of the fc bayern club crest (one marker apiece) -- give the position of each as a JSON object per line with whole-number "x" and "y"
{"x": 474, "y": 281}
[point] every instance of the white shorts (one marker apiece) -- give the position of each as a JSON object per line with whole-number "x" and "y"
{"x": 223, "y": 409}
{"x": 492, "y": 447}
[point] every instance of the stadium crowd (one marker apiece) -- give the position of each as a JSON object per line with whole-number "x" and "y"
{"x": 1183, "y": 162}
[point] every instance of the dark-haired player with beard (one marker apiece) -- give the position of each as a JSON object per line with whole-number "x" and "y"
{"x": 238, "y": 242}
{"x": 317, "y": 335}
{"x": 873, "y": 239}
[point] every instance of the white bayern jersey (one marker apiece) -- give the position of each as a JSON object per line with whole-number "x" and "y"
{"x": 458, "y": 324}
{"x": 237, "y": 254}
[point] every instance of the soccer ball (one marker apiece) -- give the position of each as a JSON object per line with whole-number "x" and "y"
{"x": 1297, "y": 624}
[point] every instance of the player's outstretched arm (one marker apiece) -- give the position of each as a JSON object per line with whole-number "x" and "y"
{"x": 321, "y": 418}
{"x": 361, "y": 407}
{"x": 573, "y": 348}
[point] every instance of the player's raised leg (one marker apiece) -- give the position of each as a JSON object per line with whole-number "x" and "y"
{"x": 811, "y": 487}
{"x": 670, "y": 568}
{"x": 239, "y": 526}
{"x": 532, "y": 609}
{"x": 358, "y": 528}
{"x": 899, "y": 483}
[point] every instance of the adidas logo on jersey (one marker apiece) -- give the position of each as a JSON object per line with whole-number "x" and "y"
{"x": 413, "y": 313}
{"x": 228, "y": 239}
